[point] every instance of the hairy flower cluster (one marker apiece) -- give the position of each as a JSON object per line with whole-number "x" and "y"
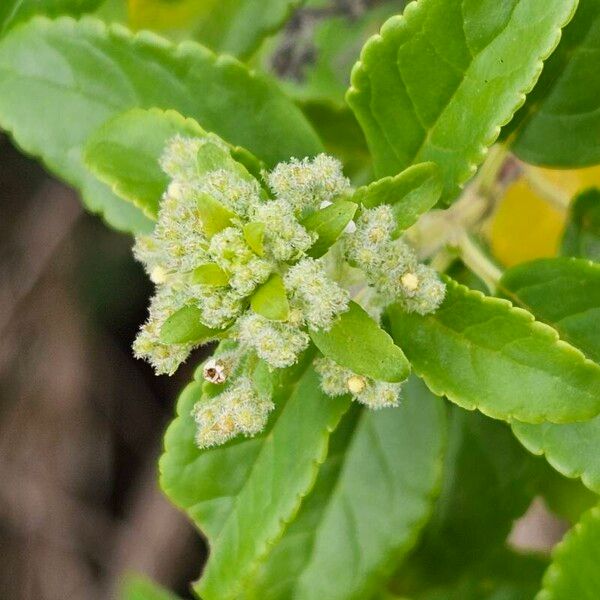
{"x": 337, "y": 381}
{"x": 240, "y": 409}
{"x": 390, "y": 265}
{"x": 237, "y": 251}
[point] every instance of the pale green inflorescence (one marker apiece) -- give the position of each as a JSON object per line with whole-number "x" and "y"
{"x": 221, "y": 234}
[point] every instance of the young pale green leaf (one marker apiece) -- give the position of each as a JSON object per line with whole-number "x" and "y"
{"x": 49, "y": 72}
{"x": 254, "y": 234}
{"x": 564, "y": 293}
{"x": 440, "y": 80}
{"x": 226, "y": 490}
{"x": 483, "y": 353}
{"x": 410, "y": 193}
{"x": 329, "y": 223}
{"x": 374, "y": 492}
{"x": 558, "y": 126}
{"x": 135, "y": 587}
{"x": 13, "y": 12}
{"x": 582, "y": 233}
{"x": 356, "y": 342}
{"x": 210, "y": 274}
{"x": 125, "y": 154}
{"x": 270, "y": 299}
{"x": 215, "y": 216}
{"x": 574, "y": 572}
{"x": 185, "y": 326}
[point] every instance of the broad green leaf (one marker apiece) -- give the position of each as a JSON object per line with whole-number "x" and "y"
{"x": 507, "y": 575}
{"x": 574, "y": 571}
{"x": 489, "y": 480}
{"x": 254, "y": 234}
{"x": 185, "y": 326}
{"x": 54, "y": 73}
{"x": 440, "y": 80}
{"x": 411, "y": 193}
{"x": 210, "y": 274}
{"x": 483, "y": 353}
{"x": 582, "y": 233}
{"x": 373, "y": 493}
{"x": 125, "y": 154}
{"x": 566, "y": 294}
{"x": 329, "y": 223}
{"x": 270, "y": 299}
{"x": 227, "y": 26}
{"x": 356, "y": 342}
{"x": 558, "y": 126}
{"x": 242, "y": 494}
{"x": 136, "y": 587}
{"x": 562, "y": 292}
{"x": 16, "y": 11}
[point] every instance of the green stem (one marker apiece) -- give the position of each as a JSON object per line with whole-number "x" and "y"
{"x": 474, "y": 258}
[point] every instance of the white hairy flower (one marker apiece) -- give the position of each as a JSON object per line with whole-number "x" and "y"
{"x": 337, "y": 381}
{"x": 314, "y": 294}
{"x": 237, "y": 410}
{"x": 307, "y": 183}
{"x": 233, "y": 191}
{"x": 278, "y": 344}
{"x": 284, "y": 238}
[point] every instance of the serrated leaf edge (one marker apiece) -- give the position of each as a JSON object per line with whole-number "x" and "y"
{"x": 360, "y": 69}
{"x": 536, "y": 326}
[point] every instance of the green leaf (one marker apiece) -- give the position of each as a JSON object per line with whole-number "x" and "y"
{"x": 489, "y": 480}
{"x": 210, "y": 274}
{"x": 410, "y": 193}
{"x": 329, "y": 223}
{"x": 270, "y": 299}
{"x": 574, "y": 572}
{"x": 254, "y": 234}
{"x": 562, "y": 292}
{"x": 125, "y": 153}
{"x": 558, "y": 126}
{"x": 234, "y": 27}
{"x": 565, "y": 293}
{"x": 439, "y": 81}
{"x": 83, "y": 73}
{"x": 356, "y": 342}
{"x": 483, "y": 353}
{"x": 185, "y": 326}
{"x": 582, "y": 233}
{"x": 507, "y": 575}
{"x": 373, "y": 494}
{"x": 215, "y": 216}
{"x": 17, "y": 11}
{"x": 136, "y": 587}
{"x": 244, "y": 493}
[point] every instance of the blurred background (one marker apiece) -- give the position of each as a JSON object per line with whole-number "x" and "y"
{"x": 80, "y": 419}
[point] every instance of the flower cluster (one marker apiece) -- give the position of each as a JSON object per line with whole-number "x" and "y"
{"x": 223, "y": 237}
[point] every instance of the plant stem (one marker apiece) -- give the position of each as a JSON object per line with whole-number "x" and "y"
{"x": 474, "y": 258}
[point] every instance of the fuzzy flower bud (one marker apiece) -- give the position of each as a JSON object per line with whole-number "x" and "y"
{"x": 165, "y": 358}
{"x": 231, "y": 190}
{"x": 337, "y": 381}
{"x": 317, "y": 297}
{"x": 278, "y": 344}
{"x": 237, "y": 410}
{"x": 307, "y": 183}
